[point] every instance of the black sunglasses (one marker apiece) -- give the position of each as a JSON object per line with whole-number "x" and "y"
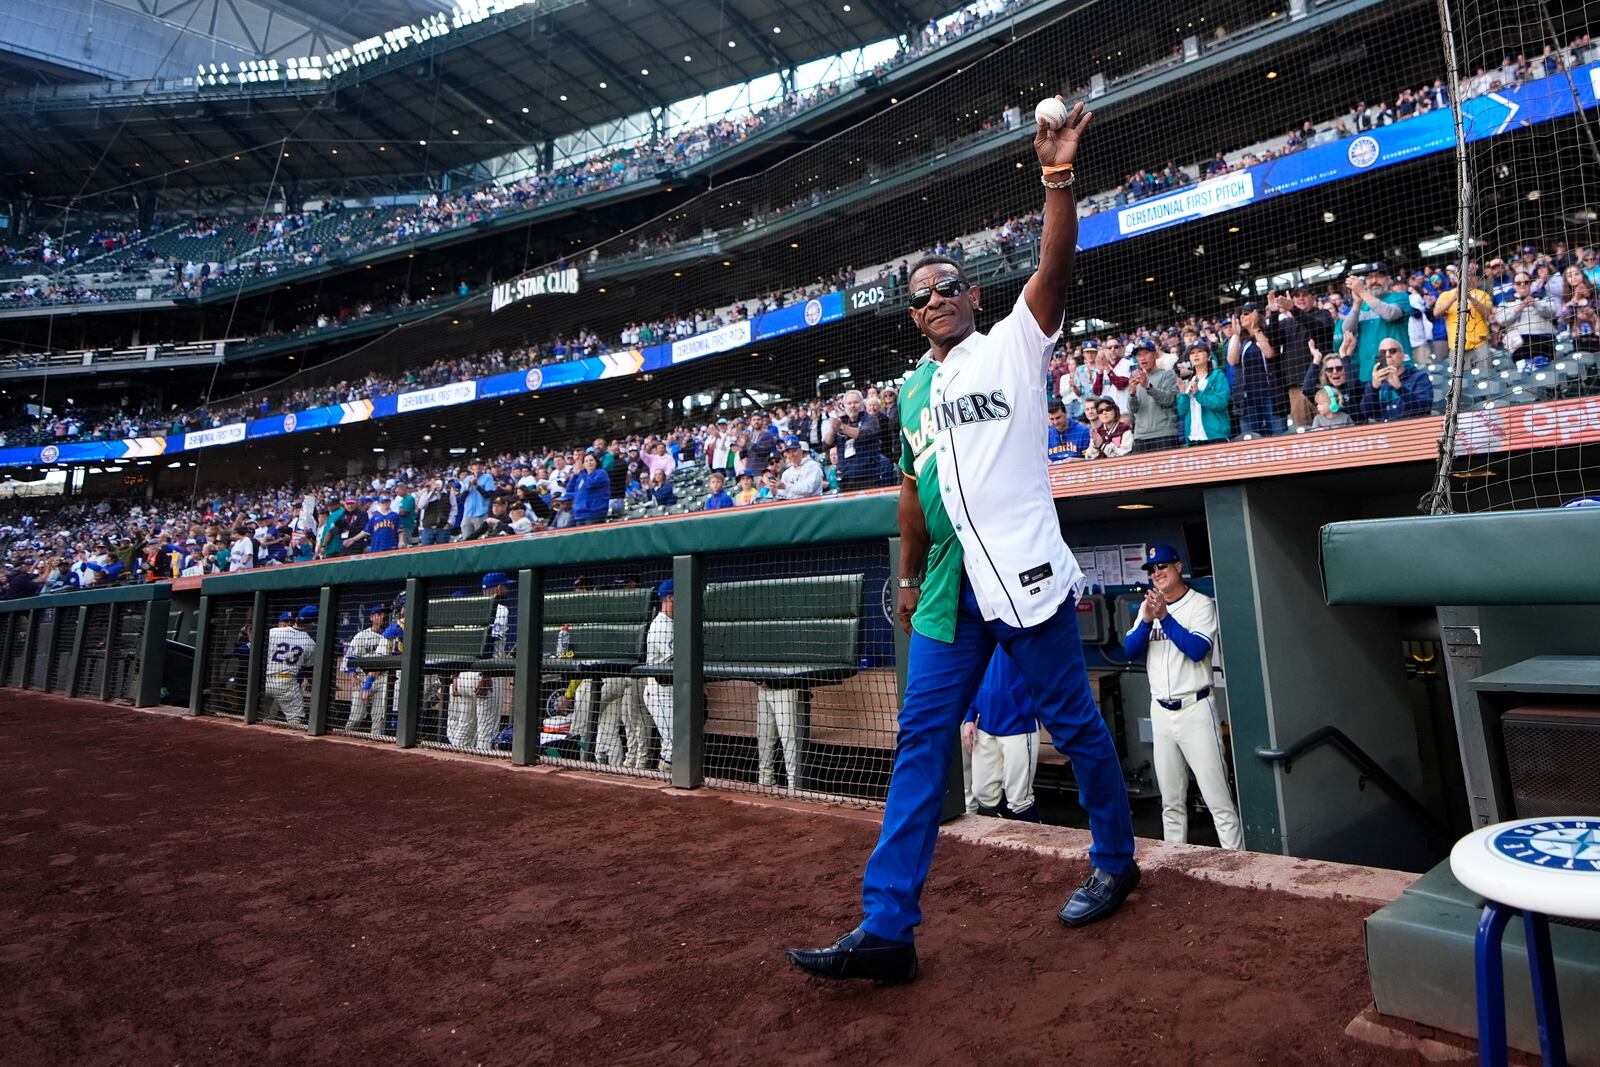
{"x": 949, "y": 288}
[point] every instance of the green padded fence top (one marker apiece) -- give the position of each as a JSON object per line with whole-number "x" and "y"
{"x": 827, "y": 597}
{"x": 621, "y": 606}
{"x": 120, "y": 594}
{"x": 1546, "y": 556}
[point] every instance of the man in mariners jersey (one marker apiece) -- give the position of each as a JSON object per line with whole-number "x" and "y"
{"x": 371, "y": 694}
{"x": 289, "y": 648}
{"x": 982, "y": 563}
{"x": 1177, "y": 625}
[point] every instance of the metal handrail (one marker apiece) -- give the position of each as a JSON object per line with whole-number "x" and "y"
{"x": 1369, "y": 768}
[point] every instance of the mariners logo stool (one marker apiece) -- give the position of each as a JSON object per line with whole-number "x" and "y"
{"x": 1539, "y": 867}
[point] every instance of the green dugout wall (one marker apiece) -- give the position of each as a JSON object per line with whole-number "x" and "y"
{"x": 1292, "y": 664}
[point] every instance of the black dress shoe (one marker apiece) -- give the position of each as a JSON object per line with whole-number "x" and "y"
{"x": 859, "y": 954}
{"x": 1100, "y": 894}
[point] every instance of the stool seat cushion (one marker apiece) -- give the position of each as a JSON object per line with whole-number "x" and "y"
{"x": 1550, "y": 866}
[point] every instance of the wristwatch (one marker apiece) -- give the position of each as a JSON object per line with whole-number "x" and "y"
{"x": 910, "y": 583}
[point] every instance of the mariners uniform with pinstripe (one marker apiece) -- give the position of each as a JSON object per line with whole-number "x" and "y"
{"x": 289, "y": 649}
{"x": 983, "y": 564}
{"x": 1176, "y": 630}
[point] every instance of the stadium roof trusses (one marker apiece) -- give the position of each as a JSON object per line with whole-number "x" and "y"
{"x": 519, "y": 78}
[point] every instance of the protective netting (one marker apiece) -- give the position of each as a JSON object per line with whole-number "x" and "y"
{"x": 225, "y": 674}
{"x": 363, "y": 690}
{"x": 801, "y": 694}
{"x": 16, "y": 649}
{"x": 45, "y": 624}
{"x": 92, "y": 657}
{"x": 465, "y": 703}
{"x": 1272, "y": 256}
{"x": 64, "y": 632}
{"x": 125, "y": 659}
{"x": 1529, "y": 428}
{"x": 595, "y": 708}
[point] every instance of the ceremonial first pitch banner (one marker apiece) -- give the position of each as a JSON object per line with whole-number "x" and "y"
{"x": 1482, "y": 117}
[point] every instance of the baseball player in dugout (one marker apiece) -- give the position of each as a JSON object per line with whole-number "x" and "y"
{"x": 1175, "y": 633}
{"x": 982, "y": 564}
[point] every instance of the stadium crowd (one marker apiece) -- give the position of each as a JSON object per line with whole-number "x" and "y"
{"x": 1300, "y": 361}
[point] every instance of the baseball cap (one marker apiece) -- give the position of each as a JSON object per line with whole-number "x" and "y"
{"x": 377, "y": 609}
{"x": 351, "y": 499}
{"x": 1252, "y": 305}
{"x": 792, "y": 442}
{"x": 1156, "y": 555}
{"x": 1378, "y": 267}
{"x": 664, "y": 589}
{"x": 285, "y": 616}
{"x": 1145, "y": 343}
{"x": 308, "y": 612}
{"x": 494, "y": 578}
{"x": 1090, "y": 345}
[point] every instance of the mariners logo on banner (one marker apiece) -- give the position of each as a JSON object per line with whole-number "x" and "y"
{"x": 534, "y": 379}
{"x": 289, "y": 422}
{"x": 49, "y": 454}
{"x": 813, "y": 312}
{"x": 1363, "y": 152}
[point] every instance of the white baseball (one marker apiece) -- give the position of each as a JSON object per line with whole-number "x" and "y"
{"x": 1051, "y": 112}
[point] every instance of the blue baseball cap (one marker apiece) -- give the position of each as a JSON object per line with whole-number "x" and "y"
{"x": 494, "y": 578}
{"x": 664, "y": 589}
{"x": 308, "y": 612}
{"x": 1156, "y": 555}
{"x": 377, "y": 609}
{"x": 286, "y": 616}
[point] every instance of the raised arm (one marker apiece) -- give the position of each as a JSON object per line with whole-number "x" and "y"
{"x": 1057, "y": 149}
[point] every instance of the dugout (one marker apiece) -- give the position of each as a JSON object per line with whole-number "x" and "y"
{"x": 788, "y": 667}
{"x": 1337, "y": 722}
{"x": 1522, "y": 641}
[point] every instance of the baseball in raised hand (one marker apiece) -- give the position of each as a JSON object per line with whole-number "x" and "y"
{"x": 1057, "y": 145}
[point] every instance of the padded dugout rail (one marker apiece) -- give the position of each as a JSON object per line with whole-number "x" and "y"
{"x": 1544, "y": 556}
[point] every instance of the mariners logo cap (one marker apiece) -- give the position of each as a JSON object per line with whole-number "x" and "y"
{"x": 494, "y": 578}
{"x": 1156, "y": 555}
{"x": 377, "y": 609}
{"x": 308, "y": 612}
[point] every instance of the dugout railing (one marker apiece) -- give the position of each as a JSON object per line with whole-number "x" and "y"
{"x": 784, "y": 671}
{"x": 103, "y": 644}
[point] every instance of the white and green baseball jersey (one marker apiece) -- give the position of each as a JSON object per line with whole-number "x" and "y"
{"x": 970, "y": 429}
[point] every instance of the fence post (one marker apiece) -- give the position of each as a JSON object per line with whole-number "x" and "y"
{"x": 80, "y": 630}
{"x": 955, "y": 783}
{"x": 322, "y": 662}
{"x": 405, "y": 727}
{"x": 258, "y": 657}
{"x": 108, "y": 667}
{"x": 152, "y": 653}
{"x": 30, "y": 641}
{"x": 202, "y": 649}
{"x": 530, "y": 667}
{"x": 688, "y": 673}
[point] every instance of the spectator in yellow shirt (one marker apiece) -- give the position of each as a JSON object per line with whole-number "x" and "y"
{"x": 1479, "y": 311}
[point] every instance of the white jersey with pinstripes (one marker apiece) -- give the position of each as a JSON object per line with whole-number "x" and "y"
{"x": 1173, "y": 675}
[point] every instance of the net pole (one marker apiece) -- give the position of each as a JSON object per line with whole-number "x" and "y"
{"x": 1438, "y": 500}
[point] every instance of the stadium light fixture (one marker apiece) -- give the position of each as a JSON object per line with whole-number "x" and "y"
{"x": 524, "y": 109}
{"x": 1233, "y": 229}
{"x": 777, "y": 29}
{"x": 455, "y": 133}
{"x": 1271, "y": 74}
{"x": 1135, "y": 506}
{"x": 602, "y": 85}
{"x": 563, "y": 97}
{"x": 688, "y": 59}
{"x": 488, "y": 122}
{"x": 644, "y": 72}
{"x": 423, "y": 143}
{"x": 1327, "y": 216}
{"x": 1369, "y": 236}
{"x": 847, "y": 9}
{"x": 732, "y": 44}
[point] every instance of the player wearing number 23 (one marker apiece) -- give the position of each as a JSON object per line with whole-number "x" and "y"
{"x": 289, "y": 648}
{"x": 983, "y": 564}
